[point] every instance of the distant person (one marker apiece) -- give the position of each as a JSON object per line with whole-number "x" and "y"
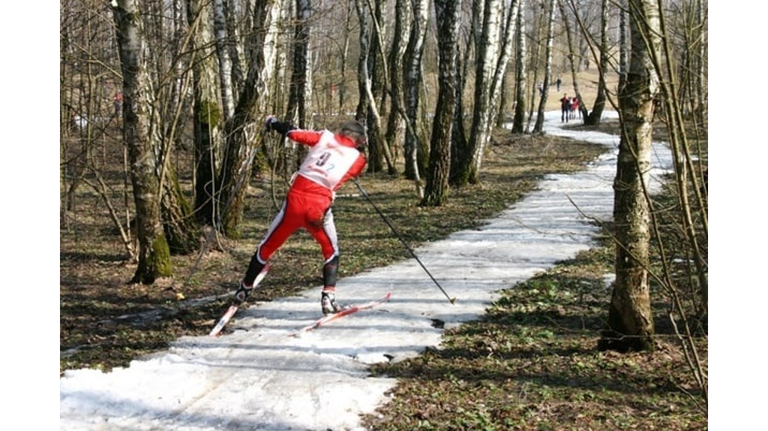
{"x": 575, "y": 108}
{"x": 541, "y": 90}
{"x": 332, "y": 160}
{"x": 565, "y": 108}
{"x": 558, "y": 82}
{"x": 118, "y": 101}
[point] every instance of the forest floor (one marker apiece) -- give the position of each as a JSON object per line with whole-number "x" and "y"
{"x": 530, "y": 364}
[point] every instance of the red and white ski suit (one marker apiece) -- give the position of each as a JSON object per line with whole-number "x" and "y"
{"x": 332, "y": 160}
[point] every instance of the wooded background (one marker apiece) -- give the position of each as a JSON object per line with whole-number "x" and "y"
{"x": 430, "y": 79}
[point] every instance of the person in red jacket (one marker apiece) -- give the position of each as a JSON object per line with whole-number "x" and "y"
{"x": 332, "y": 160}
{"x": 575, "y": 108}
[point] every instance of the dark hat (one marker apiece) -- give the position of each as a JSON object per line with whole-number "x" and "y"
{"x": 353, "y": 127}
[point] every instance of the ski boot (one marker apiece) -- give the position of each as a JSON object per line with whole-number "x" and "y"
{"x": 242, "y": 293}
{"x": 328, "y": 302}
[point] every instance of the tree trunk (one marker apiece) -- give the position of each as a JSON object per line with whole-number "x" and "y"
{"x": 494, "y": 49}
{"x": 143, "y": 145}
{"x": 368, "y": 82}
{"x": 461, "y": 151}
{"x": 234, "y": 44}
{"x": 379, "y": 81}
{"x": 630, "y": 320}
{"x": 364, "y": 82}
{"x": 447, "y": 13}
{"x": 179, "y": 224}
{"x": 535, "y": 59}
{"x": 240, "y": 132}
{"x": 396, "y": 122}
{"x": 702, "y": 85}
{"x": 623, "y": 45}
{"x": 572, "y": 60}
{"x": 521, "y": 75}
{"x": 597, "y": 109}
{"x": 223, "y": 43}
{"x": 299, "y": 88}
{"x": 207, "y": 111}
{"x": 412, "y": 81}
{"x": 539, "y": 126}
{"x": 485, "y": 66}
{"x": 343, "y": 58}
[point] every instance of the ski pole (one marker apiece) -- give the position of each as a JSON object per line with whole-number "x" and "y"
{"x": 452, "y": 300}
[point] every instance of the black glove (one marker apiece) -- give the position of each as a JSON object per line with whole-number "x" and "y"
{"x": 277, "y": 126}
{"x": 268, "y": 123}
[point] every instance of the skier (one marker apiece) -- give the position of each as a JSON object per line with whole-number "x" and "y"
{"x": 333, "y": 159}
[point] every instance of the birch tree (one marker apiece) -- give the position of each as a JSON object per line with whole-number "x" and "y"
{"x": 539, "y": 125}
{"x": 495, "y": 47}
{"x": 521, "y": 74}
{"x": 600, "y": 51}
{"x": 299, "y": 93}
{"x": 363, "y": 78}
{"x": 690, "y": 39}
{"x": 630, "y": 321}
{"x": 602, "y": 64}
{"x": 369, "y": 82}
{"x": 207, "y": 111}
{"x": 142, "y": 138}
{"x": 223, "y": 52}
{"x": 488, "y": 47}
{"x": 412, "y": 81}
{"x": 447, "y": 13}
{"x": 396, "y": 121}
{"x": 171, "y": 81}
{"x": 240, "y": 132}
{"x": 300, "y": 86}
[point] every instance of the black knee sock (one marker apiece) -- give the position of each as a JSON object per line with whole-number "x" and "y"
{"x": 331, "y": 272}
{"x": 254, "y": 268}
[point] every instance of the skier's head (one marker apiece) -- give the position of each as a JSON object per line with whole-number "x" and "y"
{"x": 354, "y": 131}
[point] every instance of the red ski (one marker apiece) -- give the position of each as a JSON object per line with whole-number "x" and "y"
{"x": 345, "y": 312}
{"x": 235, "y": 305}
